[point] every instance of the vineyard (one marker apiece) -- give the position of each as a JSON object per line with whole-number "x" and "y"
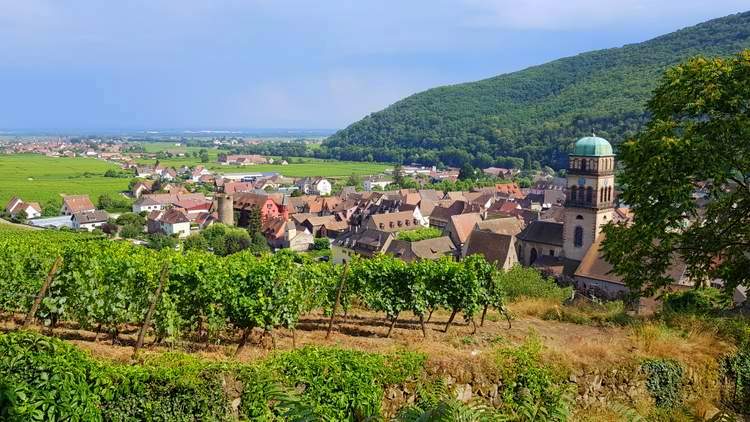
{"x": 394, "y": 355}
{"x": 102, "y": 285}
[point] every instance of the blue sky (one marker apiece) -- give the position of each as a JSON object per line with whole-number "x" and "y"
{"x": 150, "y": 64}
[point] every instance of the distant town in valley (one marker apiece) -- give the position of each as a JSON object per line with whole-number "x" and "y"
{"x": 547, "y": 219}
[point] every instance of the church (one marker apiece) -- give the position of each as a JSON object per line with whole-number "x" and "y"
{"x": 570, "y": 249}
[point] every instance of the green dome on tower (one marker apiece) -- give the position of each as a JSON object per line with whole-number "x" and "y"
{"x": 593, "y": 146}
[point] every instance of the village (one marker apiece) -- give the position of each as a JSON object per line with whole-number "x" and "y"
{"x": 553, "y": 225}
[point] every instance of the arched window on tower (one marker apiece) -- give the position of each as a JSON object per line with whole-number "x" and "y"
{"x": 583, "y": 165}
{"x": 581, "y": 192}
{"x": 578, "y": 237}
{"x": 609, "y": 193}
{"x": 574, "y": 193}
{"x": 589, "y": 195}
{"x": 579, "y": 217}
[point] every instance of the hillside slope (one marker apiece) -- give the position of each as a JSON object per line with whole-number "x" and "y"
{"x": 535, "y": 113}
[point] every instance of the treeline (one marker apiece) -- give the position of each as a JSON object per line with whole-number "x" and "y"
{"x": 103, "y": 285}
{"x": 536, "y": 114}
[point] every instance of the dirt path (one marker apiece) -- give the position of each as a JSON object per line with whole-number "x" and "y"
{"x": 367, "y": 331}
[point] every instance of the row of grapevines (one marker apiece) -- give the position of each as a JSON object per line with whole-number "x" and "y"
{"x": 105, "y": 285}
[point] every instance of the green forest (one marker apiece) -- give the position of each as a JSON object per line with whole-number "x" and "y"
{"x": 535, "y": 114}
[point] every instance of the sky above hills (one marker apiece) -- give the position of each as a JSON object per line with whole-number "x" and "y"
{"x": 150, "y": 64}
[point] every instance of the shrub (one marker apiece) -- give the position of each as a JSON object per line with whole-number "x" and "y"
{"x": 531, "y": 389}
{"x": 131, "y": 231}
{"x": 664, "y": 381}
{"x": 736, "y": 373}
{"x": 519, "y": 282}
{"x": 48, "y": 379}
{"x": 343, "y": 384}
{"x": 321, "y": 243}
{"x": 697, "y": 301}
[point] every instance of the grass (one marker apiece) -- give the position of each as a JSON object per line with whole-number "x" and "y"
{"x": 308, "y": 168}
{"x": 42, "y": 179}
{"x": 38, "y": 178}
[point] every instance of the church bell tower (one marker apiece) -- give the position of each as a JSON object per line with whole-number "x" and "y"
{"x": 590, "y": 199}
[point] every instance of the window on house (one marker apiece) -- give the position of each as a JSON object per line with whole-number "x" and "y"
{"x": 551, "y": 252}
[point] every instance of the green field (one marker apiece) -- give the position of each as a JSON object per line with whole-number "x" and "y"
{"x": 35, "y": 177}
{"x": 310, "y": 167}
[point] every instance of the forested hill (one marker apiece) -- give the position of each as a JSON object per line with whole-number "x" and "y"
{"x": 536, "y": 113}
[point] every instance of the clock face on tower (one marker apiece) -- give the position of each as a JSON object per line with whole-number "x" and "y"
{"x": 581, "y": 181}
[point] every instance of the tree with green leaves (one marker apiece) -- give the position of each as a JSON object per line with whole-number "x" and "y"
{"x": 398, "y": 174}
{"x": 354, "y": 180}
{"x": 698, "y": 141}
{"x": 467, "y": 172}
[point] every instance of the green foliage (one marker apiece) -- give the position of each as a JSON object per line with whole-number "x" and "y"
{"x": 321, "y": 244}
{"x": 436, "y": 403}
{"x": 113, "y": 203}
{"x": 345, "y": 385}
{"x": 419, "y": 234}
{"x": 48, "y": 379}
{"x": 531, "y": 390}
{"x": 699, "y": 132}
{"x": 105, "y": 284}
{"x": 159, "y": 241}
{"x": 519, "y": 282}
{"x": 388, "y": 286}
{"x": 130, "y": 218}
{"x": 118, "y": 173}
{"x": 696, "y": 301}
{"x": 220, "y": 239}
{"x": 736, "y": 373}
{"x": 664, "y": 379}
{"x": 131, "y": 231}
{"x": 536, "y": 113}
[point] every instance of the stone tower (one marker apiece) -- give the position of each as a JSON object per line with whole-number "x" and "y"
{"x": 590, "y": 198}
{"x": 226, "y": 209}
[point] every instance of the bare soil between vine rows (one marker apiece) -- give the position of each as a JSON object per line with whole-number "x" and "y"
{"x": 580, "y": 345}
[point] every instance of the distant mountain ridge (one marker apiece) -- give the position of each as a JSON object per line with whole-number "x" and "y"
{"x": 534, "y": 114}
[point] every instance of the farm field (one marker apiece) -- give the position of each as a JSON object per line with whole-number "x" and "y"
{"x": 310, "y": 167}
{"x": 38, "y": 178}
